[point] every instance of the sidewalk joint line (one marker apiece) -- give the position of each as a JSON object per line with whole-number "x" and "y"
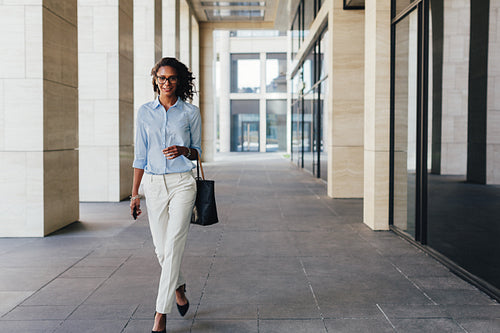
{"x": 386, "y": 317}
{"x": 313, "y": 294}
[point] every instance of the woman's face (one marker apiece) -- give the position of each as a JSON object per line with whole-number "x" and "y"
{"x": 167, "y": 81}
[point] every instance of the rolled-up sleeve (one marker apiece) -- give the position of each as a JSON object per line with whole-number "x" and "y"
{"x": 195, "y": 131}
{"x": 141, "y": 144}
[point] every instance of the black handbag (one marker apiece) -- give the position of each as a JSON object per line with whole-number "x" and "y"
{"x": 204, "y": 210}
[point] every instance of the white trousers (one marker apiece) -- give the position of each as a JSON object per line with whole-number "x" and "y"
{"x": 170, "y": 199}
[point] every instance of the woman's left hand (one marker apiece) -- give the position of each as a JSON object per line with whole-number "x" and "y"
{"x": 175, "y": 151}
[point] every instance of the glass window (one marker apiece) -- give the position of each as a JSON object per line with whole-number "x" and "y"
{"x": 323, "y": 159}
{"x": 245, "y": 73}
{"x": 309, "y": 15}
{"x": 405, "y": 118}
{"x": 308, "y": 71}
{"x": 245, "y": 125}
{"x": 462, "y": 212}
{"x": 276, "y": 72}
{"x": 295, "y": 36}
{"x": 276, "y": 125}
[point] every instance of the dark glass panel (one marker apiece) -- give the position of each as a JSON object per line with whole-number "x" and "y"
{"x": 276, "y": 125}
{"x": 245, "y": 125}
{"x": 405, "y": 118}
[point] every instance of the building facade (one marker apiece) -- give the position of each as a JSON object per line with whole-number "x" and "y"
{"x": 395, "y": 102}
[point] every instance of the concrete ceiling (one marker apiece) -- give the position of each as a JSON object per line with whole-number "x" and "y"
{"x": 264, "y": 11}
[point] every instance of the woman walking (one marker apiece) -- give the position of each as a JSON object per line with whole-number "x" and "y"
{"x": 168, "y": 137}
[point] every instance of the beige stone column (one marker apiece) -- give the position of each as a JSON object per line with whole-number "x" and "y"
{"x": 106, "y": 99}
{"x": 377, "y": 113}
{"x": 346, "y": 100}
{"x": 147, "y": 46}
{"x": 224, "y": 100}
{"x": 38, "y": 117}
{"x": 170, "y": 32}
{"x": 207, "y": 107}
{"x": 195, "y": 57}
{"x": 184, "y": 33}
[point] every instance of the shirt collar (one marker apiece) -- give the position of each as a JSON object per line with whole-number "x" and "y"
{"x": 157, "y": 102}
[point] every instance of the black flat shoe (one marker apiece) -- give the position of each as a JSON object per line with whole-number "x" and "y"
{"x": 183, "y": 308}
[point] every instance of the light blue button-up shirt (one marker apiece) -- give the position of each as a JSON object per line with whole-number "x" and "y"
{"x": 157, "y": 129}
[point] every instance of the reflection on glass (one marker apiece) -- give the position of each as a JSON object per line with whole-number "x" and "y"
{"x": 405, "y": 103}
{"x": 295, "y": 33}
{"x": 276, "y": 125}
{"x": 402, "y": 4}
{"x": 308, "y": 132}
{"x": 276, "y": 72}
{"x": 324, "y": 129}
{"x": 245, "y": 73}
{"x": 245, "y": 125}
{"x": 463, "y": 218}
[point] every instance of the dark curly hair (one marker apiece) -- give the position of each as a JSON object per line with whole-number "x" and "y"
{"x": 185, "y": 86}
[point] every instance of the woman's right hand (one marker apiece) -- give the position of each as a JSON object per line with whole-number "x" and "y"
{"x": 136, "y": 203}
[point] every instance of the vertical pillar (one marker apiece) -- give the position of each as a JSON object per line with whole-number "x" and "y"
{"x": 170, "y": 32}
{"x": 184, "y": 33}
{"x": 207, "y": 106}
{"x": 377, "y": 113}
{"x": 493, "y": 99}
{"x": 345, "y": 150}
{"x": 224, "y": 101}
{"x": 195, "y": 57}
{"x": 262, "y": 104}
{"x": 106, "y": 99}
{"x": 147, "y": 47}
{"x": 38, "y": 117}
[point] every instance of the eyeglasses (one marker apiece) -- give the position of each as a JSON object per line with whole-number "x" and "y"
{"x": 163, "y": 79}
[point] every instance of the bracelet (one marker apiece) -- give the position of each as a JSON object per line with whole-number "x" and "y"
{"x": 189, "y": 152}
{"x": 138, "y": 196}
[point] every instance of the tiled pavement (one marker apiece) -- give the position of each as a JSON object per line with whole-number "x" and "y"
{"x": 285, "y": 258}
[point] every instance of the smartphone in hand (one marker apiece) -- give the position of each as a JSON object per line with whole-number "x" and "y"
{"x": 134, "y": 213}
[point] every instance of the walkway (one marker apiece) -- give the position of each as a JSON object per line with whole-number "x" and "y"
{"x": 285, "y": 258}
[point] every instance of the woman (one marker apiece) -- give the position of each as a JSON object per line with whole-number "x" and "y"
{"x": 168, "y": 137}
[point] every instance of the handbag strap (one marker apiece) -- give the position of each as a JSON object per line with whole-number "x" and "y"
{"x": 199, "y": 166}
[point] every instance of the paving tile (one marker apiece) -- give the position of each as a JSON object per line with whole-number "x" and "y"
{"x": 10, "y": 299}
{"x": 108, "y": 311}
{"x": 226, "y": 311}
{"x": 287, "y": 310}
{"x": 31, "y": 326}
{"x": 332, "y": 310}
{"x": 453, "y": 297}
{"x": 91, "y": 326}
{"x": 358, "y": 325}
{"x": 428, "y": 325}
{"x": 89, "y": 272}
{"x": 40, "y": 312}
{"x": 414, "y": 311}
{"x": 143, "y": 325}
{"x": 296, "y": 326}
{"x": 443, "y": 282}
{"x": 473, "y": 311}
{"x": 480, "y": 325}
{"x": 224, "y": 326}
{"x": 33, "y": 278}
{"x": 65, "y": 291}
